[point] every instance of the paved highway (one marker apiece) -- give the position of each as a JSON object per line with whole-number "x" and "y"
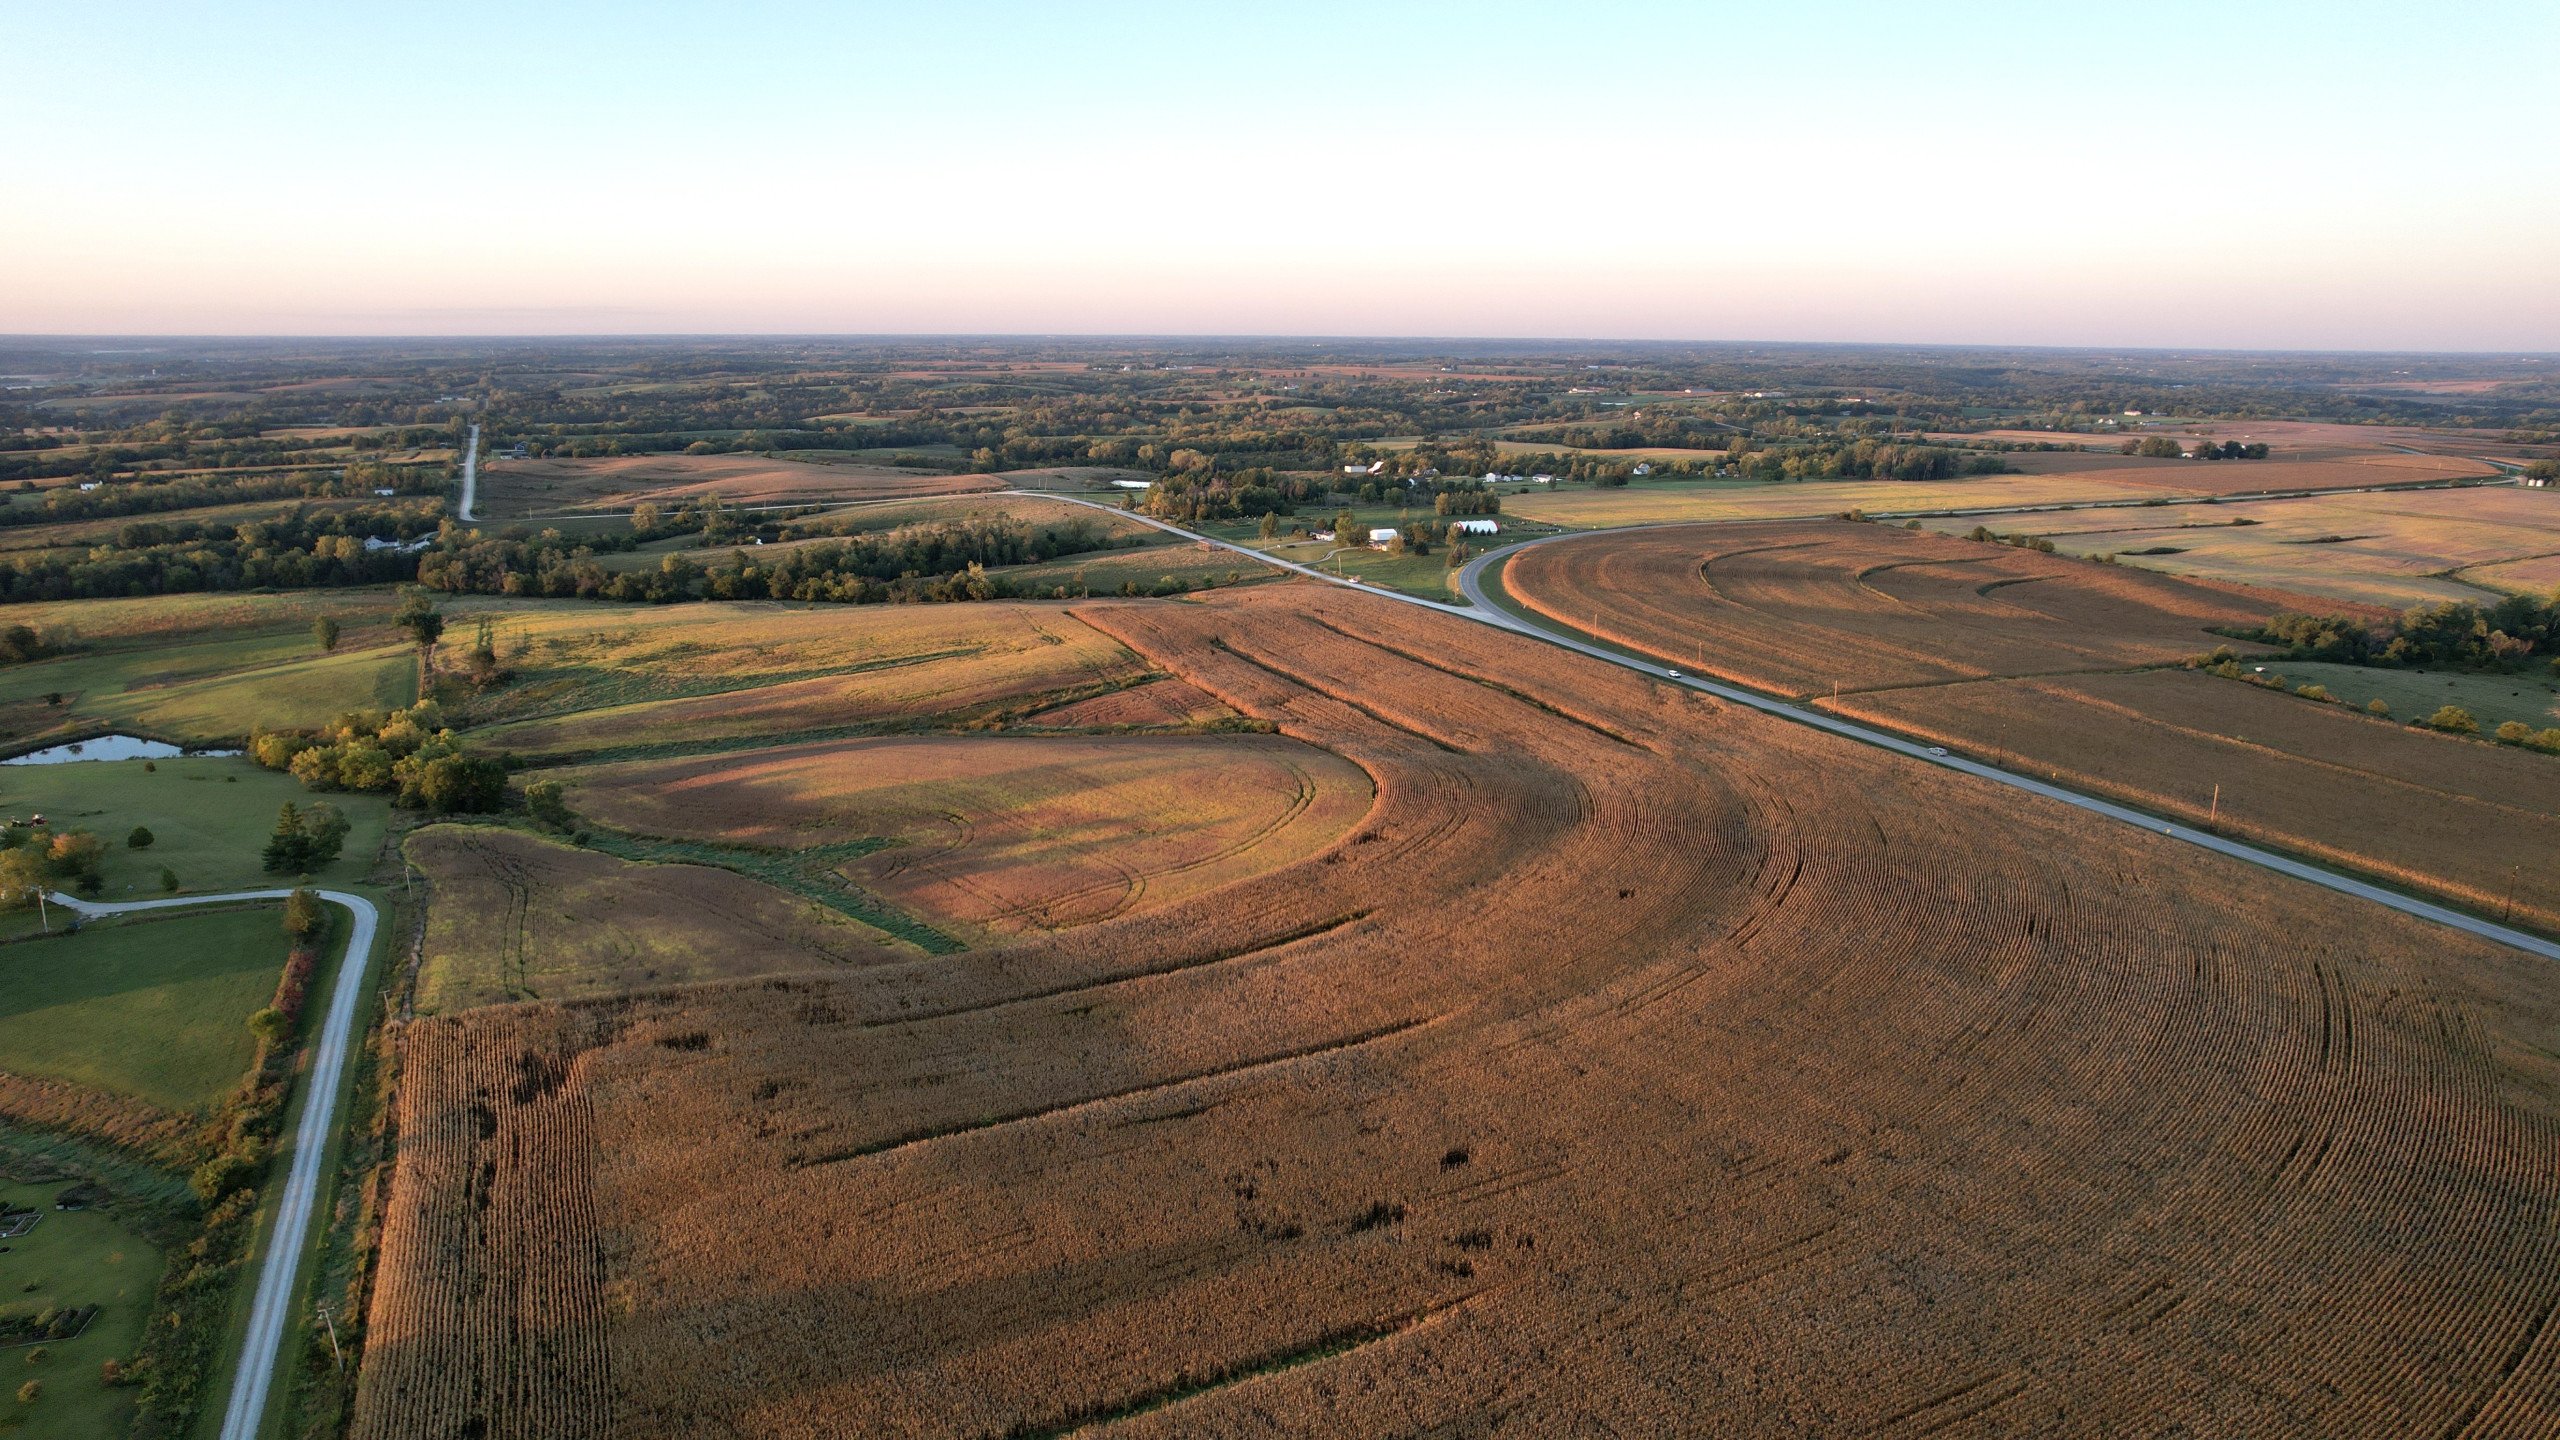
{"x": 285, "y": 1243}
{"x": 1484, "y": 610}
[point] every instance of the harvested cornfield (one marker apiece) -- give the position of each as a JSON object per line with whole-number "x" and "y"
{"x": 1798, "y": 608}
{"x": 758, "y": 672}
{"x": 510, "y": 488}
{"x": 993, "y": 835}
{"x": 1640, "y": 1065}
{"x": 2456, "y": 818}
{"x": 2333, "y": 469}
{"x": 519, "y": 918}
{"x": 1163, "y": 704}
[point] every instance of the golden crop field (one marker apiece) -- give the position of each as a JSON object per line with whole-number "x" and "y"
{"x": 1797, "y": 608}
{"x": 711, "y": 673}
{"x": 1639, "y": 1065}
{"x": 2333, "y": 470}
{"x": 2391, "y": 550}
{"x": 2456, "y": 818}
{"x": 997, "y": 835}
{"x": 1159, "y": 704}
{"x": 511, "y": 488}
{"x": 514, "y": 917}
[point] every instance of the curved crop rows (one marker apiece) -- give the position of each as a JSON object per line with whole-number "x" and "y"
{"x": 1798, "y": 607}
{"x": 1636, "y": 1066}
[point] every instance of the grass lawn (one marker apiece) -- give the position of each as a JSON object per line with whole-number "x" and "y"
{"x": 151, "y": 1008}
{"x": 209, "y": 818}
{"x": 2532, "y": 697}
{"x": 71, "y": 1258}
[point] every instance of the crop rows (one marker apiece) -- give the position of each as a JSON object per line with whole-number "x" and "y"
{"x": 1637, "y": 1065}
{"x": 1798, "y": 608}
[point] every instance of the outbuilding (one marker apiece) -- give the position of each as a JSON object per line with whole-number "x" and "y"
{"x": 1474, "y": 527}
{"x": 1383, "y": 536}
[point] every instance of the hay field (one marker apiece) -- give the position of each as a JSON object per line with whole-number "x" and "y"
{"x": 702, "y": 676}
{"x": 1640, "y": 1066}
{"x": 999, "y": 835}
{"x": 1797, "y": 608}
{"x": 515, "y": 917}
{"x": 2454, "y": 818}
{"x": 510, "y": 488}
{"x": 1158, "y": 704}
{"x": 1676, "y": 501}
{"x": 2392, "y": 550}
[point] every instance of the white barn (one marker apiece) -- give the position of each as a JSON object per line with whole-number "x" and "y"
{"x": 1474, "y": 527}
{"x": 1384, "y": 536}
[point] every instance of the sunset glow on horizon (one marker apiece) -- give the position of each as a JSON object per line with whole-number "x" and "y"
{"x": 2262, "y": 176}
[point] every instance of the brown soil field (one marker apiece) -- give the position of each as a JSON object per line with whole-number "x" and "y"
{"x": 1796, "y": 608}
{"x": 999, "y": 835}
{"x": 515, "y": 917}
{"x": 539, "y": 487}
{"x": 721, "y": 673}
{"x": 1639, "y": 1066}
{"x": 2457, "y": 818}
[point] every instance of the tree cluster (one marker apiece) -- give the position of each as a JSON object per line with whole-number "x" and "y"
{"x": 408, "y": 754}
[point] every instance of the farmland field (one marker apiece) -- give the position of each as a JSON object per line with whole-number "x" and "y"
{"x": 1668, "y": 502}
{"x": 1627, "y": 1028}
{"x": 1797, "y": 608}
{"x": 2390, "y": 550}
{"x": 710, "y": 674}
{"x": 1000, "y": 835}
{"x": 510, "y": 488}
{"x": 2457, "y": 818}
{"x": 520, "y": 918}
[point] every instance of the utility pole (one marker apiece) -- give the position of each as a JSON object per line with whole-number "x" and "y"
{"x": 2213, "y": 819}
{"x": 335, "y": 1353}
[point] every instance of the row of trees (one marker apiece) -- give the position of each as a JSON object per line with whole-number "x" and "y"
{"x": 299, "y": 551}
{"x": 2169, "y": 447}
{"x": 2509, "y": 635}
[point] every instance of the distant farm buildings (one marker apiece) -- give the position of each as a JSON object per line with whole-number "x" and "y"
{"x": 1643, "y": 469}
{"x": 374, "y": 544}
{"x": 1133, "y": 484}
{"x": 1383, "y": 536}
{"x": 2536, "y": 482}
{"x": 1474, "y": 527}
{"x": 1374, "y": 467}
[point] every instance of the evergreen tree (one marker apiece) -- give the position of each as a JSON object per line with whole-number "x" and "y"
{"x": 288, "y": 849}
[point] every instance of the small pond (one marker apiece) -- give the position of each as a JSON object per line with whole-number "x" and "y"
{"x": 107, "y": 747}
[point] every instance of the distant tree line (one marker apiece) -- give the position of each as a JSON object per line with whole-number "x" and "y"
{"x": 304, "y": 550}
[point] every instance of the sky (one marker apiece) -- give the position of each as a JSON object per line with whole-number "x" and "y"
{"x": 2242, "y": 174}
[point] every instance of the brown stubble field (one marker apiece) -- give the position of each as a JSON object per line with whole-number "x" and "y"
{"x": 1001, "y": 834}
{"x": 2454, "y": 818}
{"x": 512, "y": 488}
{"x": 1638, "y": 1065}
{"x": 1797, "y": 607}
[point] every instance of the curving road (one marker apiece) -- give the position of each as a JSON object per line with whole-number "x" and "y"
{"x": 292, "y": 1230}
{"x": 1483, "y": 610}
{"x": 471, "y": 475}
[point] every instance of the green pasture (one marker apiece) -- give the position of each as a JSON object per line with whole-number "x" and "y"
{"x": 2532, "y": 697}
{"x": 204, "y": 688}
{"x": 72, "y": 1258}
{"x": 209, "y": 819}
{"x": 156, "y": 1008}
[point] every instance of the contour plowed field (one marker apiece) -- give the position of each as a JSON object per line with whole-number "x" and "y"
{"x": 1004, "y": 834}
{"x": 1640, "y": 1066}
{"x": 1799, "y": 607}
{"x": 2455, "y": 817}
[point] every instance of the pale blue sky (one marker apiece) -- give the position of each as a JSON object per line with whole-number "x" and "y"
{"x": 2358, "y": 175}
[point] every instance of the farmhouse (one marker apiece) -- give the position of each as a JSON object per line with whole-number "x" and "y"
{"x": 1474, "y": 527}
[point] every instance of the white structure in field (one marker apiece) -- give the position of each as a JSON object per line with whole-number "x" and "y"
{"x": 1133, "y": 484}
{"x": 1473, "y": 527}
{"x": 1383, "y": 536}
